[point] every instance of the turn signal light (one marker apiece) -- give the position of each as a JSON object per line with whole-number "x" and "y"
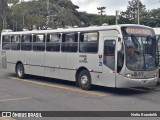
{"x": 100, "y": 56}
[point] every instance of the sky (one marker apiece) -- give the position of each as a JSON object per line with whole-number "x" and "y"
{"x": 90, "y": 6}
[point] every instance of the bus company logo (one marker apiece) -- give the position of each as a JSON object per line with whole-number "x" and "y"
{"x": 83, "y": 59}
{"x": 6, "y": 114}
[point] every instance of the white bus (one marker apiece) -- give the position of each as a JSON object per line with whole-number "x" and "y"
{"x": 120, "y": 56}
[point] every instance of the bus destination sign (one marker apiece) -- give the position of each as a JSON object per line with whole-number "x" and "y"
{"x": 139, "y": 31}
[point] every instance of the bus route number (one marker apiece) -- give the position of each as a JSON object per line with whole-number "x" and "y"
{"x": 138, "y": 74}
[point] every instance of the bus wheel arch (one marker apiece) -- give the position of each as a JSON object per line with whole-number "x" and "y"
{"x": 20, "y": 70}
{"x": 83, "y": 78}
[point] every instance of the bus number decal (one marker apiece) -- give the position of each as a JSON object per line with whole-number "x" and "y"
{"x": 83, "y": 59}
{"x": 140, "y": 74}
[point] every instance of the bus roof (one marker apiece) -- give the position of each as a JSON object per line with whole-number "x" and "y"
{"x": 59, "y": 30}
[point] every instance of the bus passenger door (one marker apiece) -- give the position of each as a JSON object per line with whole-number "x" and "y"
{"x": 109, "y": 62}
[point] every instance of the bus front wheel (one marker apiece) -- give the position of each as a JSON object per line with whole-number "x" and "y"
{"x": 20, "y": 71}
{"x": 84, "y": 80}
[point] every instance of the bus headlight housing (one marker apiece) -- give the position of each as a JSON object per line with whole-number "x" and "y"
{"x": 129, "y": 75}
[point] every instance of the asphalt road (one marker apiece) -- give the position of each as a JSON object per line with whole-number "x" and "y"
{"x": 45, "y": 94}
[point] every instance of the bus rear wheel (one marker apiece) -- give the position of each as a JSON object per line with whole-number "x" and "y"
{"x": 20, "y": 71}
{"x": 84, "y": 80}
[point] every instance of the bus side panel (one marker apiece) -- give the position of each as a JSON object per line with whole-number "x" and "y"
{"x": 12, "y": 58}
{"x": 71, "y": 66}
{"x": 94, "y": 64}
{"x": 54, "y": 64}
{"x": 67, "y": 74}
{"x": 34, "y": 63}
{"x": 97, "y": 78}
{"x": 97, "y": 74}
{"x": 89, "y": 61}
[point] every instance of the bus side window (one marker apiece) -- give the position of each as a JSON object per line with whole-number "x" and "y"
{"x": 15, "y": 42}
{"x": 6, "y": 43}
{"x": 26, "y": 42}
{"x": 70, "y": 42}
{"x": 39, "y": 42}
{"x": 88, "y": 42}
{"x": 109, "y": 54}
{"x": 53, "y": 42}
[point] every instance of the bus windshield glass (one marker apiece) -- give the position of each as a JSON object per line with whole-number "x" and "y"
{"x": 140, "y": 49}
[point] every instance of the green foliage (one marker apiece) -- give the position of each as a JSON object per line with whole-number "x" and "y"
{"x": 130, "y": 15}
{"x": 3, "y": 12}
{"x": 61, "y": 13}
{"x": 14, "y": 2}
{"x": 94, "y": 19}
{"x": 151, "y": 18}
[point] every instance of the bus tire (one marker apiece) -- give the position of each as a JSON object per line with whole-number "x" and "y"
{"x": 84, "y": 80}
{"x": 20, "y": 71}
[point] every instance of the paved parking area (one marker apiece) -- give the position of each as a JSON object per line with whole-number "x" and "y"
{"x": 45, "y": 94}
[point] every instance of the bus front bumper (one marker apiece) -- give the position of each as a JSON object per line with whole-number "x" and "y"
{"x": 129, "y": 82}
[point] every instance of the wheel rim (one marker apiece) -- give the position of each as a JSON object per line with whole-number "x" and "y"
{"x": 20, "y": 71}
{"x": 84, "y": 80}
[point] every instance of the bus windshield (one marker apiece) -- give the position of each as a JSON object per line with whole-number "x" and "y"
{"x": 141, "y": 52}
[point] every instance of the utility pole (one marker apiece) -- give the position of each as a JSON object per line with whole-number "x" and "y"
{"x": 101, "y": 9}
{"x": 47, "y": 6}
{"x": 138, "y": 12}
{"x": 23, "y": 19}
{"x": 48, "y": 13}
{"x": 117, "y": 16}
{"x": 4, "y": 21}
{"x": 16, "y": 25}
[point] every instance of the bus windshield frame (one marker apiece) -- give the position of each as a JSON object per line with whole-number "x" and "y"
{"x": 140, "y": 48}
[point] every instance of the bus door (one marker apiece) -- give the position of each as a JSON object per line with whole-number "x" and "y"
{"x": 109, "y": 61}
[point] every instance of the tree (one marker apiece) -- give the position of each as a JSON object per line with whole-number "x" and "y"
{"x": 13, "y": 1}
{"x": 151, "y": 18}
{"x": 26, "y": 14}
{"x": 131, "y": 14}
{"x": 3, "y": 11}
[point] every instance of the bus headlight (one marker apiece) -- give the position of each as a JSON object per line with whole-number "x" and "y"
{"x": 129, "y": 75}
